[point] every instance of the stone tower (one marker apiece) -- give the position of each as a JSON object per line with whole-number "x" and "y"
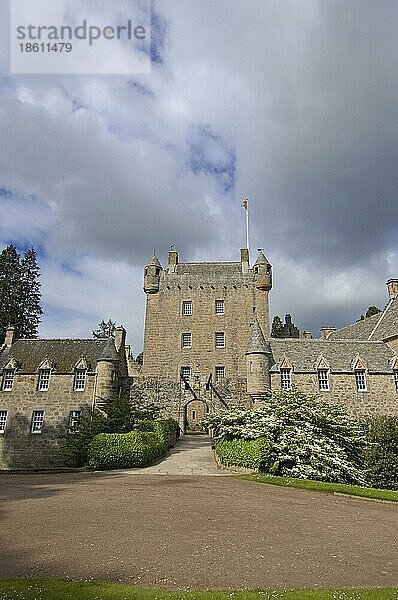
{"x": 198, "y": 317}
{"x": 258, "y": 363}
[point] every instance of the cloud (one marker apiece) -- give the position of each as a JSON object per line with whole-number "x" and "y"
{"x": 292, "y": 104}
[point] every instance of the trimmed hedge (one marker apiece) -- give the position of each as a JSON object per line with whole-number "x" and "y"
{"x": 253, "y": 454}
{"x": 167, "y": 429}
{"x": 125, "y": 450}
{"x": 381, "y": 454}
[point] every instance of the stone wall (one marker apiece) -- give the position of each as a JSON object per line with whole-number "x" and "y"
{"x": 20, "y": 449}
{"x": 165, "y": 323}
{"x": 381, "y": 397}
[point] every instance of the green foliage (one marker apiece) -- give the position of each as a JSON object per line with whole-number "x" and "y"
{"x": 77, "y": 443}
{"x": 125, "y": 450}
{"x": 253, "y": 454}
{"x": 105, "y": 329}
{"x": 310, "y": 438}
{"x": 19, "y": 292}
{"x": 277, "y": 326}
{"x": 381, "y": 454}
{"x": 372, "y": 310}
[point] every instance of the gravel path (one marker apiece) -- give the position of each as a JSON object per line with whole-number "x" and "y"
{"x": 184, "y": 531}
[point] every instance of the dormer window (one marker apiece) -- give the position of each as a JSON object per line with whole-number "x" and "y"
{"x": 360, "y": 379}
{"x": 286, "y": 379}
{"x": 396, "y": 379}
{"x": 323, "y": 380}
{"x": 80, "y": 380}
{"x": 8, "y": 379}
{"x": 44, "y": 380}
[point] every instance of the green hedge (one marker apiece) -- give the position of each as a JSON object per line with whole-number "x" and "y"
{"x": 167, "y": 429}
{"x": 381, "y": 455}
{"x": 253, "y": 454}
{"x": 125, "y": 450}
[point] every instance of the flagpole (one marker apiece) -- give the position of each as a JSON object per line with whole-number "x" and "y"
{"x": 245, "y": 204}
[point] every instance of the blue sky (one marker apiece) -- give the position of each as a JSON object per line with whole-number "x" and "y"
{"x": 292, "y": 103}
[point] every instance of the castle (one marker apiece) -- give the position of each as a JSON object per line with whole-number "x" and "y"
{"x": 207, "y": 346}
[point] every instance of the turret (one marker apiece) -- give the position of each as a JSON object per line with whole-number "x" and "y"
{"x": 262, "y": 273}
{"x": 152, "y": 275}
{"x": 107, "y": 373}
{"x": 392, "y": 285}
{"x": 257, "y": 363}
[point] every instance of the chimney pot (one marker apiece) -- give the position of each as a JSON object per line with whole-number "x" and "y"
{"x": 392, "y": 285}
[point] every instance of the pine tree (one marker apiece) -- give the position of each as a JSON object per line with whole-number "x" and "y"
{"x": 105, "y": 330}
{"x": 372, "y": 310}
{"x": 30, "y": 295}
{"x": 277, "y": 327}
{"x": 19, "y": 292}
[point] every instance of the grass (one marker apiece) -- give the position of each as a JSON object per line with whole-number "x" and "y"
{"x": 323, "y": 486}
{"x": 27, "y": 589}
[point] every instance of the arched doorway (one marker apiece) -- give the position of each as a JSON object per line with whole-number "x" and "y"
{"x": 194, "y": 413}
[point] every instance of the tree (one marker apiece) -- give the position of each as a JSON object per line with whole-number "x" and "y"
{"x": 105, "y": 330}
{"x": 372, "y": 310}
{"x": 309, "y": 437}
{"x": 19, "y": 292}
{"x": 277, "y": 326}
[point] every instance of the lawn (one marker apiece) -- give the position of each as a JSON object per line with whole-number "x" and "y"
{"x": 26, "y": 589}
{"x": 322, "y": 486}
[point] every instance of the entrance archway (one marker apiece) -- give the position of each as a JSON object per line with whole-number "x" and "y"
{"x": 194, "y": 412}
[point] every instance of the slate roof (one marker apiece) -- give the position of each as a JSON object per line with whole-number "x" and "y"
{"x": 222, "y": 269}
{"x": 304, "y": 354}
{"x": 109, "y": 351}
{"x": 64, "y": 353}
{"x": 378, "y": 327}
{"x": 257, "y": 343}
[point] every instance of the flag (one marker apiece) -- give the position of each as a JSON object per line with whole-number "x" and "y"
{"x": 245, "y": 203}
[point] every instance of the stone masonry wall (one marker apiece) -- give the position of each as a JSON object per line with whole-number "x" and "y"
{"x": 20, "y": 449}
{"x": 381, "y": 397}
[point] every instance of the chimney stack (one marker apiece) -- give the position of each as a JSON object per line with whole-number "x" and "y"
{"x": 392, "y": 285}
{"x": 325, "y": 331}
{"x": 11, "y": 336}
{"x": 244, "y": 259}
{"x": 120, "y": 338}
{"x": 173, "y": 259}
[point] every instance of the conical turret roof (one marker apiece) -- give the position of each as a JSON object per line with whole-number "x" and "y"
{"x": 257, "y": 343}
{"x": 154, "y": 261}
{"x": 109, "y": 352}
{"x": 261, "y": 259}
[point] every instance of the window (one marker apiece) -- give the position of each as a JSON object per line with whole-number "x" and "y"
{"x": 396, "y": 379}
{"x": 286, "y": 379}
{"x": 74, "y": 418}
{"x": 220, "y": 339}
{"x": 44, "y": 380}
{"x": 220, "y": 308}
{"x": 8, "y": 379}
{"x": 186, "y": 340}
{"x": 220, "y": 373}
{"x": 194, "y": 414}
{"x": 3, "y": 420}
{"x": 80, "y": 380}
{"x": 186, "y": 372}
{"x": 360, "y": 379}
{"x": 187, "y": 308}
{"x": 37, "y": 421}
{"x": 323, "y": 379}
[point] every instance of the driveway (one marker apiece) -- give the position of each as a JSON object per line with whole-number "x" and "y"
{"x": 181, "y": 531}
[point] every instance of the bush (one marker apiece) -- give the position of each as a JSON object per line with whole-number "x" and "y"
{"x": 167, "y": 429}
{"x": 381, "y": 455}
{"x": 125, "y": 450}
{"x": 310, "y": 438}
{"x": 253, "y": 454}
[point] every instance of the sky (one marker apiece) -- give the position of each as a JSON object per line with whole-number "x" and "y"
{"x": 290, "y": 103}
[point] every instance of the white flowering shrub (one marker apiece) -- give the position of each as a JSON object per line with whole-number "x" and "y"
{"x": 309, "y": 437}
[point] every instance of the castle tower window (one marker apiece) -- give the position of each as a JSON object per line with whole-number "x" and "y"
{"x": 286, "y": 379}
{"x": 8, "y": 379}
{"x": 44, "y": 380}
{"x": 220, "y": 339}
{"x": 220, "y": 307}
{"x": 3, "y": 420}
{"x": 360, "y": 379}
{"x": 220, "y": 373}
{"x": 187, "y": 308}
{"x": 323, "y": 380}
{"x": 396, "y": 379}
{"x": 37, "y": 421}
{"x": 186, "y": 340}
{"x": 74, "y": 418}
{"x": 186, "y": 372}
{"x": 80, "y": 380}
